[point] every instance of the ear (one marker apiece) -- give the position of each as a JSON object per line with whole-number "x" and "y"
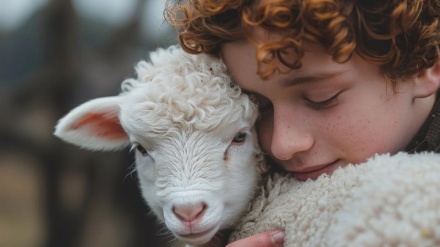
{"x": 94, "y": 125}
{"x": 428, "y": 81}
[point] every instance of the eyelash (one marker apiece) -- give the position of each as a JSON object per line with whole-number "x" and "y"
{"x": 323, "y": 105}
{"x": 139, "y": 148}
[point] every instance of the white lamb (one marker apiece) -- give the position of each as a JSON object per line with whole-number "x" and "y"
{"x": 197, "y": 156}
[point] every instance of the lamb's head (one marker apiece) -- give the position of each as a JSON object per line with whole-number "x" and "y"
{"x": 197, "y": 156}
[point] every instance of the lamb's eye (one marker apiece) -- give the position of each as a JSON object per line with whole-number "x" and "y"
{"x": 141, "y": 150}
{"x": 240, "y": 137}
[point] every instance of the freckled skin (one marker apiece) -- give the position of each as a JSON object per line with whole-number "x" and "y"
{"x": 367, "y": 117}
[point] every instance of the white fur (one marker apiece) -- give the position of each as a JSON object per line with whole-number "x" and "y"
{"x": 185, "y": 111}
{"x": 390, "y": 200}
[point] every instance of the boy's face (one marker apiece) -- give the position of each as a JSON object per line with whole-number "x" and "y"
{"x": 326, "y": 114}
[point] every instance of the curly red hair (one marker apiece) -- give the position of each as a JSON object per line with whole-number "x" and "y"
{"x": 401, "y": 36}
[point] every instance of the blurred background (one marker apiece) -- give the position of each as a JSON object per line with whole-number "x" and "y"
{"x": 54, "y": 55}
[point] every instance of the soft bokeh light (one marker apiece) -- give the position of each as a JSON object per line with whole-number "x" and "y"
{"x": 113, "y": 12}
{"x": 55, "y": 54}
{"x": 153, "y": 22}
{"x": 14, "y": 13}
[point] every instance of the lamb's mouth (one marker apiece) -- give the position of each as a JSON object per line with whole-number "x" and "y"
{"x": 197, "y": 234}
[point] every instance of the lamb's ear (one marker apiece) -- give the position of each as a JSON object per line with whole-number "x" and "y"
{"x": 94, "y": 125}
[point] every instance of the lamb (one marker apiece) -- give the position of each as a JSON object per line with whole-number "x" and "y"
{"x": 390, "y": 200}
{"x": 197, "y": 157}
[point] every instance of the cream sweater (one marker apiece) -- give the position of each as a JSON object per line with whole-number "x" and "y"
{"x": 387, "y": 201}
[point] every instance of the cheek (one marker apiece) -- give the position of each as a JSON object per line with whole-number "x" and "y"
{"x": 360, "y": 136}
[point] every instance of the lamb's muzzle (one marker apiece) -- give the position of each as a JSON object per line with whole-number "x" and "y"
{"x": 189, "y": 214}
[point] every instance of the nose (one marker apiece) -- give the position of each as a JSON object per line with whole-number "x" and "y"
{"x": 290, "y": 135}
{"x": 189, "y": 213}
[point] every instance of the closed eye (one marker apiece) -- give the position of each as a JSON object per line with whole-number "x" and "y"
{"x": 325, "y": 104}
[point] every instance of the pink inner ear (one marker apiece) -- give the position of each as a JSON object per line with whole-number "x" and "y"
{"x": 102, "y": 125}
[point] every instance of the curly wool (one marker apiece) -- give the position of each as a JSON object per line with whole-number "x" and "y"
{"x": 387, "y": 201}
{"x": 184, "y": 91}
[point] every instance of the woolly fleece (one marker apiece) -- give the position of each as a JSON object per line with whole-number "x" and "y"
{"x": 386, "y": 201}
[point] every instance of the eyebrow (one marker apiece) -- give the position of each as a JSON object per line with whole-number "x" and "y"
{"x": 307, "y": 79}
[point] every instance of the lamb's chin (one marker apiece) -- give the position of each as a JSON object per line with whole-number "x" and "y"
{"x": 198, "y": 238}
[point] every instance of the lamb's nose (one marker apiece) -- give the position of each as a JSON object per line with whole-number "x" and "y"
{"x": 189, "y": 213}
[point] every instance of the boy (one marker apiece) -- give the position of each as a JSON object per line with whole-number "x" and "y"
{"x": 336, "y": 81}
